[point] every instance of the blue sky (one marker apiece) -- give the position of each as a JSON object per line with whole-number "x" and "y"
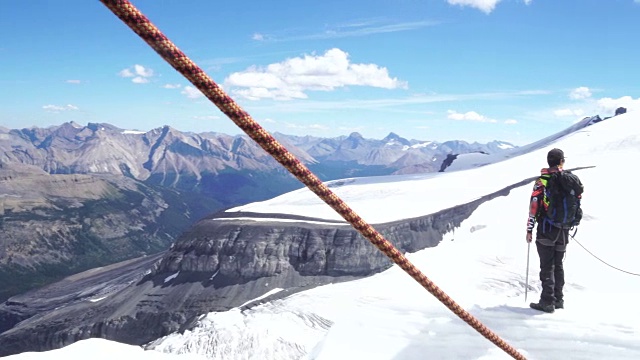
{"x": 475, "y": 70}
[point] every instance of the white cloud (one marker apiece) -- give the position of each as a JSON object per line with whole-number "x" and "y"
{"x": 142, "y": 71}
{"x": 73, "y": 81}
{"x": 604, "y": 107}
{"x": 125, "y": 73}
{"x": 290, "y": 79}
{"x": 257, "y": 93}
{"x": 369, "y": 28}
{"x": 469, "y": 116}
{"x": 58, "y": 108}
{"x": 580, "y": 93}
{"x": 511, "y": 121}
{"x": 568, "y": 112}
{"x": 353, "y": 29}
{"x": 172, "y": 86}
{"x": 138, "y": 73}
{"x": 191, "y": 92}
{"x": 139, "y": 80}
{"x": 609, "y": 105}
{"x": 485, "y": 6}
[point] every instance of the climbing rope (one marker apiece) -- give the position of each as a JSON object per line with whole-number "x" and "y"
{"x": 602, "y": 261}
{"x": 131, "y": 16}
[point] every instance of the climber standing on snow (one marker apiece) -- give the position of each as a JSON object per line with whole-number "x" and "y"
{"x": 555, "y": 207}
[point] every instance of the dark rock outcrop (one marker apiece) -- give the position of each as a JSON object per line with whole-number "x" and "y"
{"x": 220, "y": 263}
{"x": 593, "y": 119}
{"x": 448, "y": 161}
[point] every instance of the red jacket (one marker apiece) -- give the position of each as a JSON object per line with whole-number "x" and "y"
{"x": 537, "y": 201}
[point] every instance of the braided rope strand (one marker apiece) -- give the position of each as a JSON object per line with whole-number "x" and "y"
{"x": 133, "y": 18}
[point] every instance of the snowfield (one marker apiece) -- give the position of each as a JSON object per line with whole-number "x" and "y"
{"x": 481, "y": 265}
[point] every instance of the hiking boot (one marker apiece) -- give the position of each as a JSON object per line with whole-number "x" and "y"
{"x": 548, "y": 308}
{"x": 558, "y": 304}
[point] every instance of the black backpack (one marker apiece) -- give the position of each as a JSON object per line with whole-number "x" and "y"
{"x": 562, "y": 194}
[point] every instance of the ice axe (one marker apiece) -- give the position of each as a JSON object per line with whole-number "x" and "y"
{"x": 526, "y": 286}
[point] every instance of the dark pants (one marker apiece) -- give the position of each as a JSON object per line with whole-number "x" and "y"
{"x": 551, "y": 272}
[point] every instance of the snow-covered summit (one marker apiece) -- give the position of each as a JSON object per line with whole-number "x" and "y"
{"x": 133, "y": 132}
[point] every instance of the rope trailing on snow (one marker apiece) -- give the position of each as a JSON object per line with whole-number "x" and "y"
{"x": 131, "y": 16}
{"x": 602, "y": 261}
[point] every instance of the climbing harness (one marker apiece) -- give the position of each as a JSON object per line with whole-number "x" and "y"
{"x": 133, "y": 18}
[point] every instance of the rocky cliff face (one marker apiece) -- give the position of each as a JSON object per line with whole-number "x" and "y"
{"x": 240, "y": 251}
{"x": 220, "y": 263}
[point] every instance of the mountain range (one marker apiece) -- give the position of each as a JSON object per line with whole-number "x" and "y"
{"x": 74, "y": 197}
{"x": 172, "y": 158}
{"x": 258, "y": 269}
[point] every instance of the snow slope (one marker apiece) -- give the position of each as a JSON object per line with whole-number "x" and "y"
{"x": 471, "y": 160}
{"x": 101, "y": 349}
{"x": 482, "y": 266}
{"x": 408, "y": 196}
